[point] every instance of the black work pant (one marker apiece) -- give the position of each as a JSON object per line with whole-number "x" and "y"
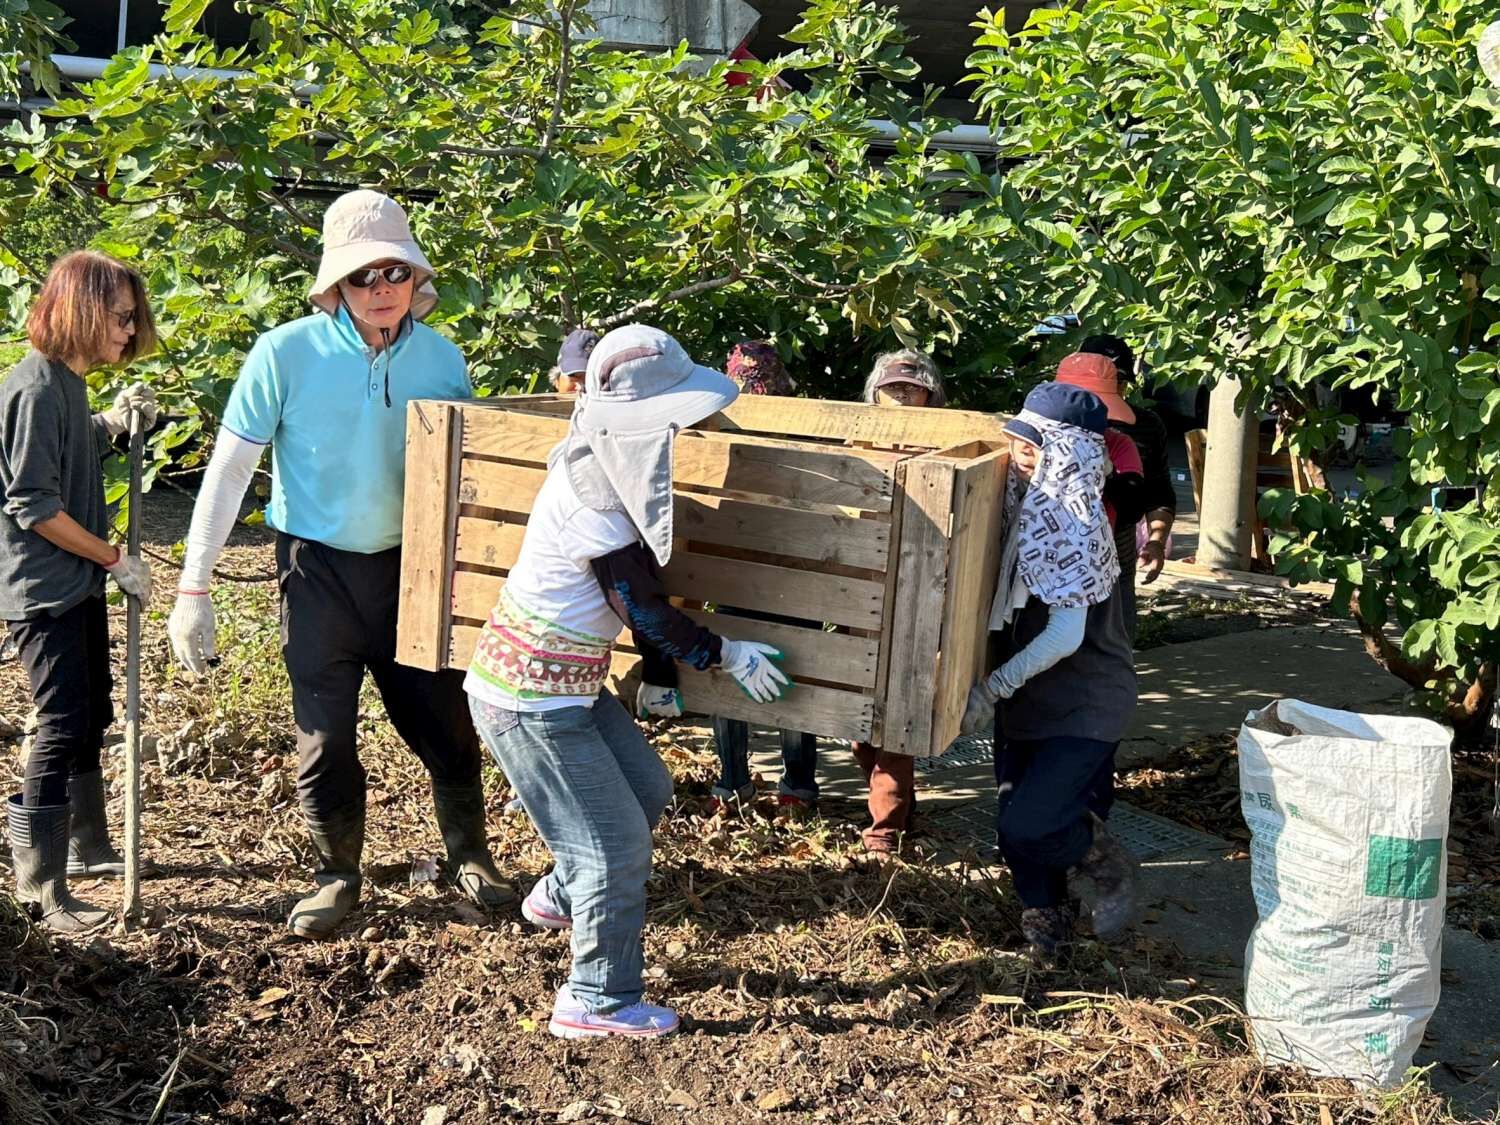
{"x": 67, "y": 661}
{"x": 1046, "y": 788}
{"x": 338, "y": 620}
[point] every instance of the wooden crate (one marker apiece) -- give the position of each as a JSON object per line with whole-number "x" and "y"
{"x": 880, "y": 524}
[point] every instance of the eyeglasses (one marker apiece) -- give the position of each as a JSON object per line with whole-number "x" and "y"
{"x": 123, "y": 319}
{"x": 394, "y": 275}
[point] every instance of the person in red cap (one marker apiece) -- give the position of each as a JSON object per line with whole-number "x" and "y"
{"x": 1156, "y": 496}
{"x": 1124, "y": 488}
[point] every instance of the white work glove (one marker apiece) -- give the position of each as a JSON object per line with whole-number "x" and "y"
{"x": 753, "y": 666}
{"x": 191, "y": 628}
{"x": 652, "y": 700}
{"x": 137, "y": 396}
{"x": 980, "y": 711}
{"x": 133, "y": 575}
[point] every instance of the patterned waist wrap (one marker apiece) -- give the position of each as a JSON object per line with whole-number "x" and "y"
{"x": 530, "y": 658}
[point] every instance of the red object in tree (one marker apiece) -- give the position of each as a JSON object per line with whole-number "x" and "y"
{"x": 745, "y": 78}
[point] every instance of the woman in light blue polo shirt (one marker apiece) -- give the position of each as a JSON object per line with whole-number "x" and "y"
{"x": 328, "y": 393}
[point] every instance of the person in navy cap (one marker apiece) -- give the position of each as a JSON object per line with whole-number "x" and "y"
{"x": 1065, "y": 689}
{"x": 573, "y": 361}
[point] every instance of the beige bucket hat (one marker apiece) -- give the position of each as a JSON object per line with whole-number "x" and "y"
{"x": 365, "y": 226}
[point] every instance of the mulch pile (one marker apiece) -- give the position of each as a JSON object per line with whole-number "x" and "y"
{"x": 813, "y": 986}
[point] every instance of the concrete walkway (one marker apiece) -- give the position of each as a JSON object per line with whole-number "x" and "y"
{"x": 1207, "y": 687}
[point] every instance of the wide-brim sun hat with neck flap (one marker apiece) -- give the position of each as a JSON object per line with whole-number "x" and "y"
{"x": 641, "y": 380}
{"x": 363, "y": 227}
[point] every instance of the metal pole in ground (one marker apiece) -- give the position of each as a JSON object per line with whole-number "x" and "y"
{"x": 131, "y": 907}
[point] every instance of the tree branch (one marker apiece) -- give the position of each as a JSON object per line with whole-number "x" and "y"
{"x": 291, "y": 209}
{"x": 1471, "y": 706}
{"x": 565, "y": 296}
{"x": 685, "y": 292}
{"x": 350, "y": 44}
{"x": 493, "y": 153}
{"x": 564, "y": 73}
{"x": 1389, "y": 656}
{"x": 281, "y": 244}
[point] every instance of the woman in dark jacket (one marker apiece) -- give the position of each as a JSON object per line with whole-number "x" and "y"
{"x": 54, "y": 556}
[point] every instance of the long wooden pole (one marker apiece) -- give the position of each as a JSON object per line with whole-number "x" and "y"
{"x": 131, "y": 908}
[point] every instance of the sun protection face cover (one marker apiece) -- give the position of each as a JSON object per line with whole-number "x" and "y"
{"x": 1058, "y": 545}
{"x": 361, "y": 227}
{"x": 640, "y": 389}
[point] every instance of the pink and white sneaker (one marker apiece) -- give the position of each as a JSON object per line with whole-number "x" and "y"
{"x": 541, "y": 911}
{"x": 570, "y": 1020}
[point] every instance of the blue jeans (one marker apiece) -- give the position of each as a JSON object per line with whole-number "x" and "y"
{"x": 1046, "y": 790}
{"x": 594, "y": 788}
{"x": 799, "y": 759}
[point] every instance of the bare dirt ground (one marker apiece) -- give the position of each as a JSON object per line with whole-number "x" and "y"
{"x": 813, "y": 986}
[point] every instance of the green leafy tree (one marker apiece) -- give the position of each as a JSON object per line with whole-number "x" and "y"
{"x": 30, "y": 31}
{"x": 553, "y": 182}
{"x": 1303, "y": 193}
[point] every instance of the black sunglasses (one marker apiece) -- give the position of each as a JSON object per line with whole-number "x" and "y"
{"x": 123, "y": 319}
{"x": 394, "y": 275}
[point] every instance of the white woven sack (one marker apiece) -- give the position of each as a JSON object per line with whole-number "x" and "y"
{"x": 1349, "y": 823}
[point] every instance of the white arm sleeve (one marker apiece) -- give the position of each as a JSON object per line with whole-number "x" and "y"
{"x": 1059, "y": 640}
{"x": 218, "y": 506}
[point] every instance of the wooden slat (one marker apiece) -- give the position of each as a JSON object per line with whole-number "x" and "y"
{"x": 490, "y": 484}
{"x": 514, "y": 434}
{"x": 787, "y": 470}
{"x": 483, "y": 542}
{"x": 815, "y": 536}
{"x": 1197, "y": 445}
{"x": 823, "y": 711}
{"x": 818, "y": 536}
{"x": 474, "y": 594}
{"x": 850, "y": 421}
{"x": 810, "y": 653}
{"x": 921, "y": 591}
{"x": 727, "y": 582}
{"x": 813, "y": 654}
{"x": 427, "y": 525}
{"x": 973, "y": 568}
{"x": 796, "y": 471}
{"x": 855, "y": 602}
{"x": 787, "y": 418}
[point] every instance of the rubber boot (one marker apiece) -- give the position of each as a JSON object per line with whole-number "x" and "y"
{"x": 460, "y": 817}
{"x": 90, "y": 854}
{"x": 1048, "y": 929}
{"x": 1111, "y": 868}
{"x": 39, "y": 850}
{"x": 339, "y": 842}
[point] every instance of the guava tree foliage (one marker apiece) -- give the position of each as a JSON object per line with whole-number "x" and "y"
{"x": 30, "y": 31}
{"x": 552, "y": 182}
{"x": 1305, "y": 194}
